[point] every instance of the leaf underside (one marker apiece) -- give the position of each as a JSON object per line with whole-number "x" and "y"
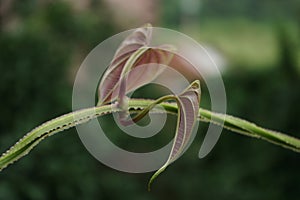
{"x": 188, "y": 106}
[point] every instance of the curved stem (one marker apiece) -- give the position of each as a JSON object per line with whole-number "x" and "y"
{"x": 31, "y": 139}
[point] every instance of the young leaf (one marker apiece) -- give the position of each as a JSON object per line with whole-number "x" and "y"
{"x": 131, "y": 44}
{"x": 188, "y": 106}
{"x": 133, "y": 52}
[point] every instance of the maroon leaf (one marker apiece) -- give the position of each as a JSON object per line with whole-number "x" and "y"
{"x": 111, "y": 77}
{"x": 133, "y": 52}
{"x": 188, "y": 106}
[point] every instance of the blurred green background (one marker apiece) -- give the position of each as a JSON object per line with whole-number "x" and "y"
{"x": 43, "y": 42}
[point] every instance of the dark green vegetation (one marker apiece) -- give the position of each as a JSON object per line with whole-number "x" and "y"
{"x": 36, "y": 74}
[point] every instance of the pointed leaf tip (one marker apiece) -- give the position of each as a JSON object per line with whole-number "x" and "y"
{"x": 188, "y": 106}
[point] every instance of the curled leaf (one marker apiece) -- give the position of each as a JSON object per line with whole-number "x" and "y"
{"x": 188, "y": 106}
{"x": 134, "y": 51}
{"x": 139, "y": 38}
{"x": 136, "y": 63}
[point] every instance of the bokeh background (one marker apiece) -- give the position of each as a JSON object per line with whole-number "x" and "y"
{"x": 256, "y": 45}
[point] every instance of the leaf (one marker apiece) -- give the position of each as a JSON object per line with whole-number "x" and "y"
{"x": 188, "y": 107}
{"x": 139, "y": 38}
{"x": 134, "y": 51}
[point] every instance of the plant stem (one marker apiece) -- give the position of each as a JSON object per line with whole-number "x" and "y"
{"x": 34, "y": 137}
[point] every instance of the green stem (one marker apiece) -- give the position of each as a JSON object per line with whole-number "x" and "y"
{"x": 31, "y": 139}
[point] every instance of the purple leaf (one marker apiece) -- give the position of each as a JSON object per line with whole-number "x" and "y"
{"x": 111, "y": 77}
{"x": 188, "y": 106}
{"x": 137, "y": 64}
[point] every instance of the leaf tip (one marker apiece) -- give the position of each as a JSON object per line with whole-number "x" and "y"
{"x": 149, "y": 186}
{"x": 155, "y": 175}
{"x": 151, "y": 181}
